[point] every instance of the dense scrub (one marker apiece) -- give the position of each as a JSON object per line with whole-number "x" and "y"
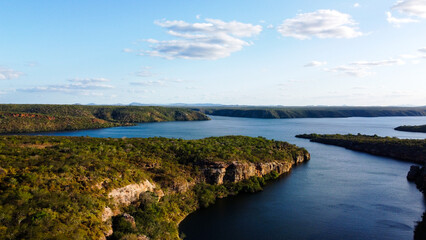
{"x": 405, "y": 128}
{"x": 411, "y": 150}
{"x": 56, "y": 187}
{"x": 314, "y": 112}
{"x": 16, "y": 118}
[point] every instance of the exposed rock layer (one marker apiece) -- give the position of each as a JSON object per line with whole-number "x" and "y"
{"x": 223, "y": 172}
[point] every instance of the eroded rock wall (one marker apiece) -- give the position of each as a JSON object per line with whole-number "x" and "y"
{"x": 223, "y": 172}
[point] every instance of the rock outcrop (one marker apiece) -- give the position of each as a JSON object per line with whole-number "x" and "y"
{"x": 223, "y": 172}
{"x": 123, "y": 197}
{"x": 126, "y": 195}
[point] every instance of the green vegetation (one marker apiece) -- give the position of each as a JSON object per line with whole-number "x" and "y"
{"x": 27, "y": 118}
{"x": 411, "y": 150}
{"x": 314, "y": 112}
{"x": 405, "y": 128}
{"x": 56, "y": 187}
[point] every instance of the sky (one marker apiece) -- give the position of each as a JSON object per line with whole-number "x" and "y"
{"x": 245, "y": 52}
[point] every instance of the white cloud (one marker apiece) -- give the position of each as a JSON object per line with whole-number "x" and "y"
{"x": 87, "y": 81}
{"x": 128, "y": 50}
{"x": 379, "y": 63}
{"x": 321, "y": 24}
{"x": 421, "y": 54}
{"x": 149, "y": 83}
{"x": 315, "y": 64}
{"x": 144, "y": 73}
{"x": 416, "y": 8}
{"x": 354, "y": 71}
{"x": 398, "y": 21}
{"x": 212, "y": 39}
{"x": 356, "y": 5}
{"x": 8, "y": 74}
{"x": 363, "y": 68}
{"x": 82, "y": 86}
{"x": 270, "y": 26}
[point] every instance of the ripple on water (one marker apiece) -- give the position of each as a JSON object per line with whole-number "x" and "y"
{"x": 388, "y": 208}
{"x": 394, "y": 224}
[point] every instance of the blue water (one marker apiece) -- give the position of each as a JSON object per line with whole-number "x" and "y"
{"x": 338, "y": 194}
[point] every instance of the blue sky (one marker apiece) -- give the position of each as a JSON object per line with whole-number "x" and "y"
{"x": 270, "y": 52}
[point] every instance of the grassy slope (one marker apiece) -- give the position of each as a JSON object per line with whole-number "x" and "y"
{"x": 49, "y": 186}
{"x": 420, "y": 128}
{"x": 314, "y": 112}
{"x": 37, "y": 118}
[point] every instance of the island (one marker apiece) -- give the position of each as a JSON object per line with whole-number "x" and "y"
{"x": 26, "y": 118}
{"x": 311, "y": 112}
{"x": 130, "y": 188}
{"x": 405, "y": 128}
{"x": 411, "y": 150}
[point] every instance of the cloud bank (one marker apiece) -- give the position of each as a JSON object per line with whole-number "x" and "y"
{"x": 9, "y": 74}
{"x": 415, "y": 8}
{"x": 320, "y": 24}
{"x": 363, "y": 68}
{"x": 81, "y": 86}
{"x": 212, "y": 39}
{"x": 315, "y": 64}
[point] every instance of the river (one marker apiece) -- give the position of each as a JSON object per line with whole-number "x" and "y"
{"x": 338, "y": 194}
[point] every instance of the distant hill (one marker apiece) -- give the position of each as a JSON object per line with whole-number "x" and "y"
{"x": 24, "y": 118}
{"x": 313, "y": 112}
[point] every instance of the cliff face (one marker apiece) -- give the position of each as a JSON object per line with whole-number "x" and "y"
{"x": 224, "y": 172}
{"x": 130, "y": 193}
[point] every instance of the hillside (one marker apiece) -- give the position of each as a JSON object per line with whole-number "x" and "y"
{"x": 27, "y": 118}
{"x": 83, "y": 188}
{"x": 313, "y": 112}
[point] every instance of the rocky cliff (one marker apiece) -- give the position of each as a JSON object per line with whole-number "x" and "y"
{"x": 223, "y": 172}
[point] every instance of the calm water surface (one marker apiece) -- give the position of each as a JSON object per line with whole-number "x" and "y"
{"x": 339, "y": 194}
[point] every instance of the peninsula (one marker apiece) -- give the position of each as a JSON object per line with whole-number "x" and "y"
{"x": 410, "y": 150}
{"x": 405, "y": 128}
{"x": 91, "y": 188}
